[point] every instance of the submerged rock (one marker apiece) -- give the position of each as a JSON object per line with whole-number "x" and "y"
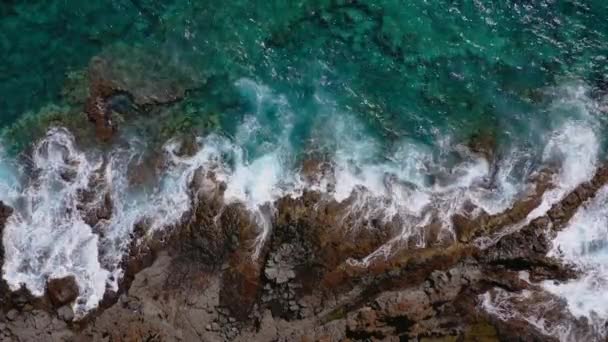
{"x": 125, "y": 80}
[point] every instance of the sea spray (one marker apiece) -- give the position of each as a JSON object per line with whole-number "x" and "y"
{"x": 257, "y": 170}
{"x": 573, "y": 151}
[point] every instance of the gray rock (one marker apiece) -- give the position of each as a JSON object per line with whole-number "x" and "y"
{"x": 41, "y": 320}
{"x": 65, "y": 313}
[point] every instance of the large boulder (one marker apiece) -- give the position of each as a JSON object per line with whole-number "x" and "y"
{"x": 62, "y": 291}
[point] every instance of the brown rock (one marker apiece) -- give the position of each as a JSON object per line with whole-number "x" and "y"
{"x": 464, "y": 227}
{"x": 62, "y": 291}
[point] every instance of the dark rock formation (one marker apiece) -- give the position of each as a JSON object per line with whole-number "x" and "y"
{"x": 62, "y": 291}
{"x": 5, "y": 213}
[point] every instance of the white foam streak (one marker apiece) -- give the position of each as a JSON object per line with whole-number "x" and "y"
{"x": 574, "y": 147}
{"x": 528, "y": 307}
{"x": 410, "y": 182}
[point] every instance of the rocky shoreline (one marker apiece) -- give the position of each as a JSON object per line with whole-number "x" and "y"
{"x": 203, "y": 283}
{"x": 321, "y": 274}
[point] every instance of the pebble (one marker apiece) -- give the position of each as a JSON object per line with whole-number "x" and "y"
{"x": 12, "y": 315}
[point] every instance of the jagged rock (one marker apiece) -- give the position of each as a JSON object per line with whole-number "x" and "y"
{"x": 62, "y": 291}
{"x": 468, "y": 228}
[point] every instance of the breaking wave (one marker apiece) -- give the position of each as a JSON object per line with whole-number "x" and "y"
{"x": 52, "y": 234}
{"x": 575, "y": 147}
{"x": 584, "y": 243}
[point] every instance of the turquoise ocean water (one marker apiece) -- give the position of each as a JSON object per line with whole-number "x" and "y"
{"x": 389, "y": 90}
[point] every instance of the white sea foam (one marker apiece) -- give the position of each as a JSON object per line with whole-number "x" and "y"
{"x": 412, "y": 181}
{"x": 47, "y": 237}
{"x": 8, "y": 177}
{"x": 571, "y": 151}
{"x": 584, "y": 243}
{"x": 573, "y": 147}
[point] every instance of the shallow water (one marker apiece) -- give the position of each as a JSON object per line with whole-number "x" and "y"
{"x": 390, "y": 92}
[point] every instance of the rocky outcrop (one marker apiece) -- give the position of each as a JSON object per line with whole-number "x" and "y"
{"x": 319, "y": 277}
{"x": 62, "y": 291}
